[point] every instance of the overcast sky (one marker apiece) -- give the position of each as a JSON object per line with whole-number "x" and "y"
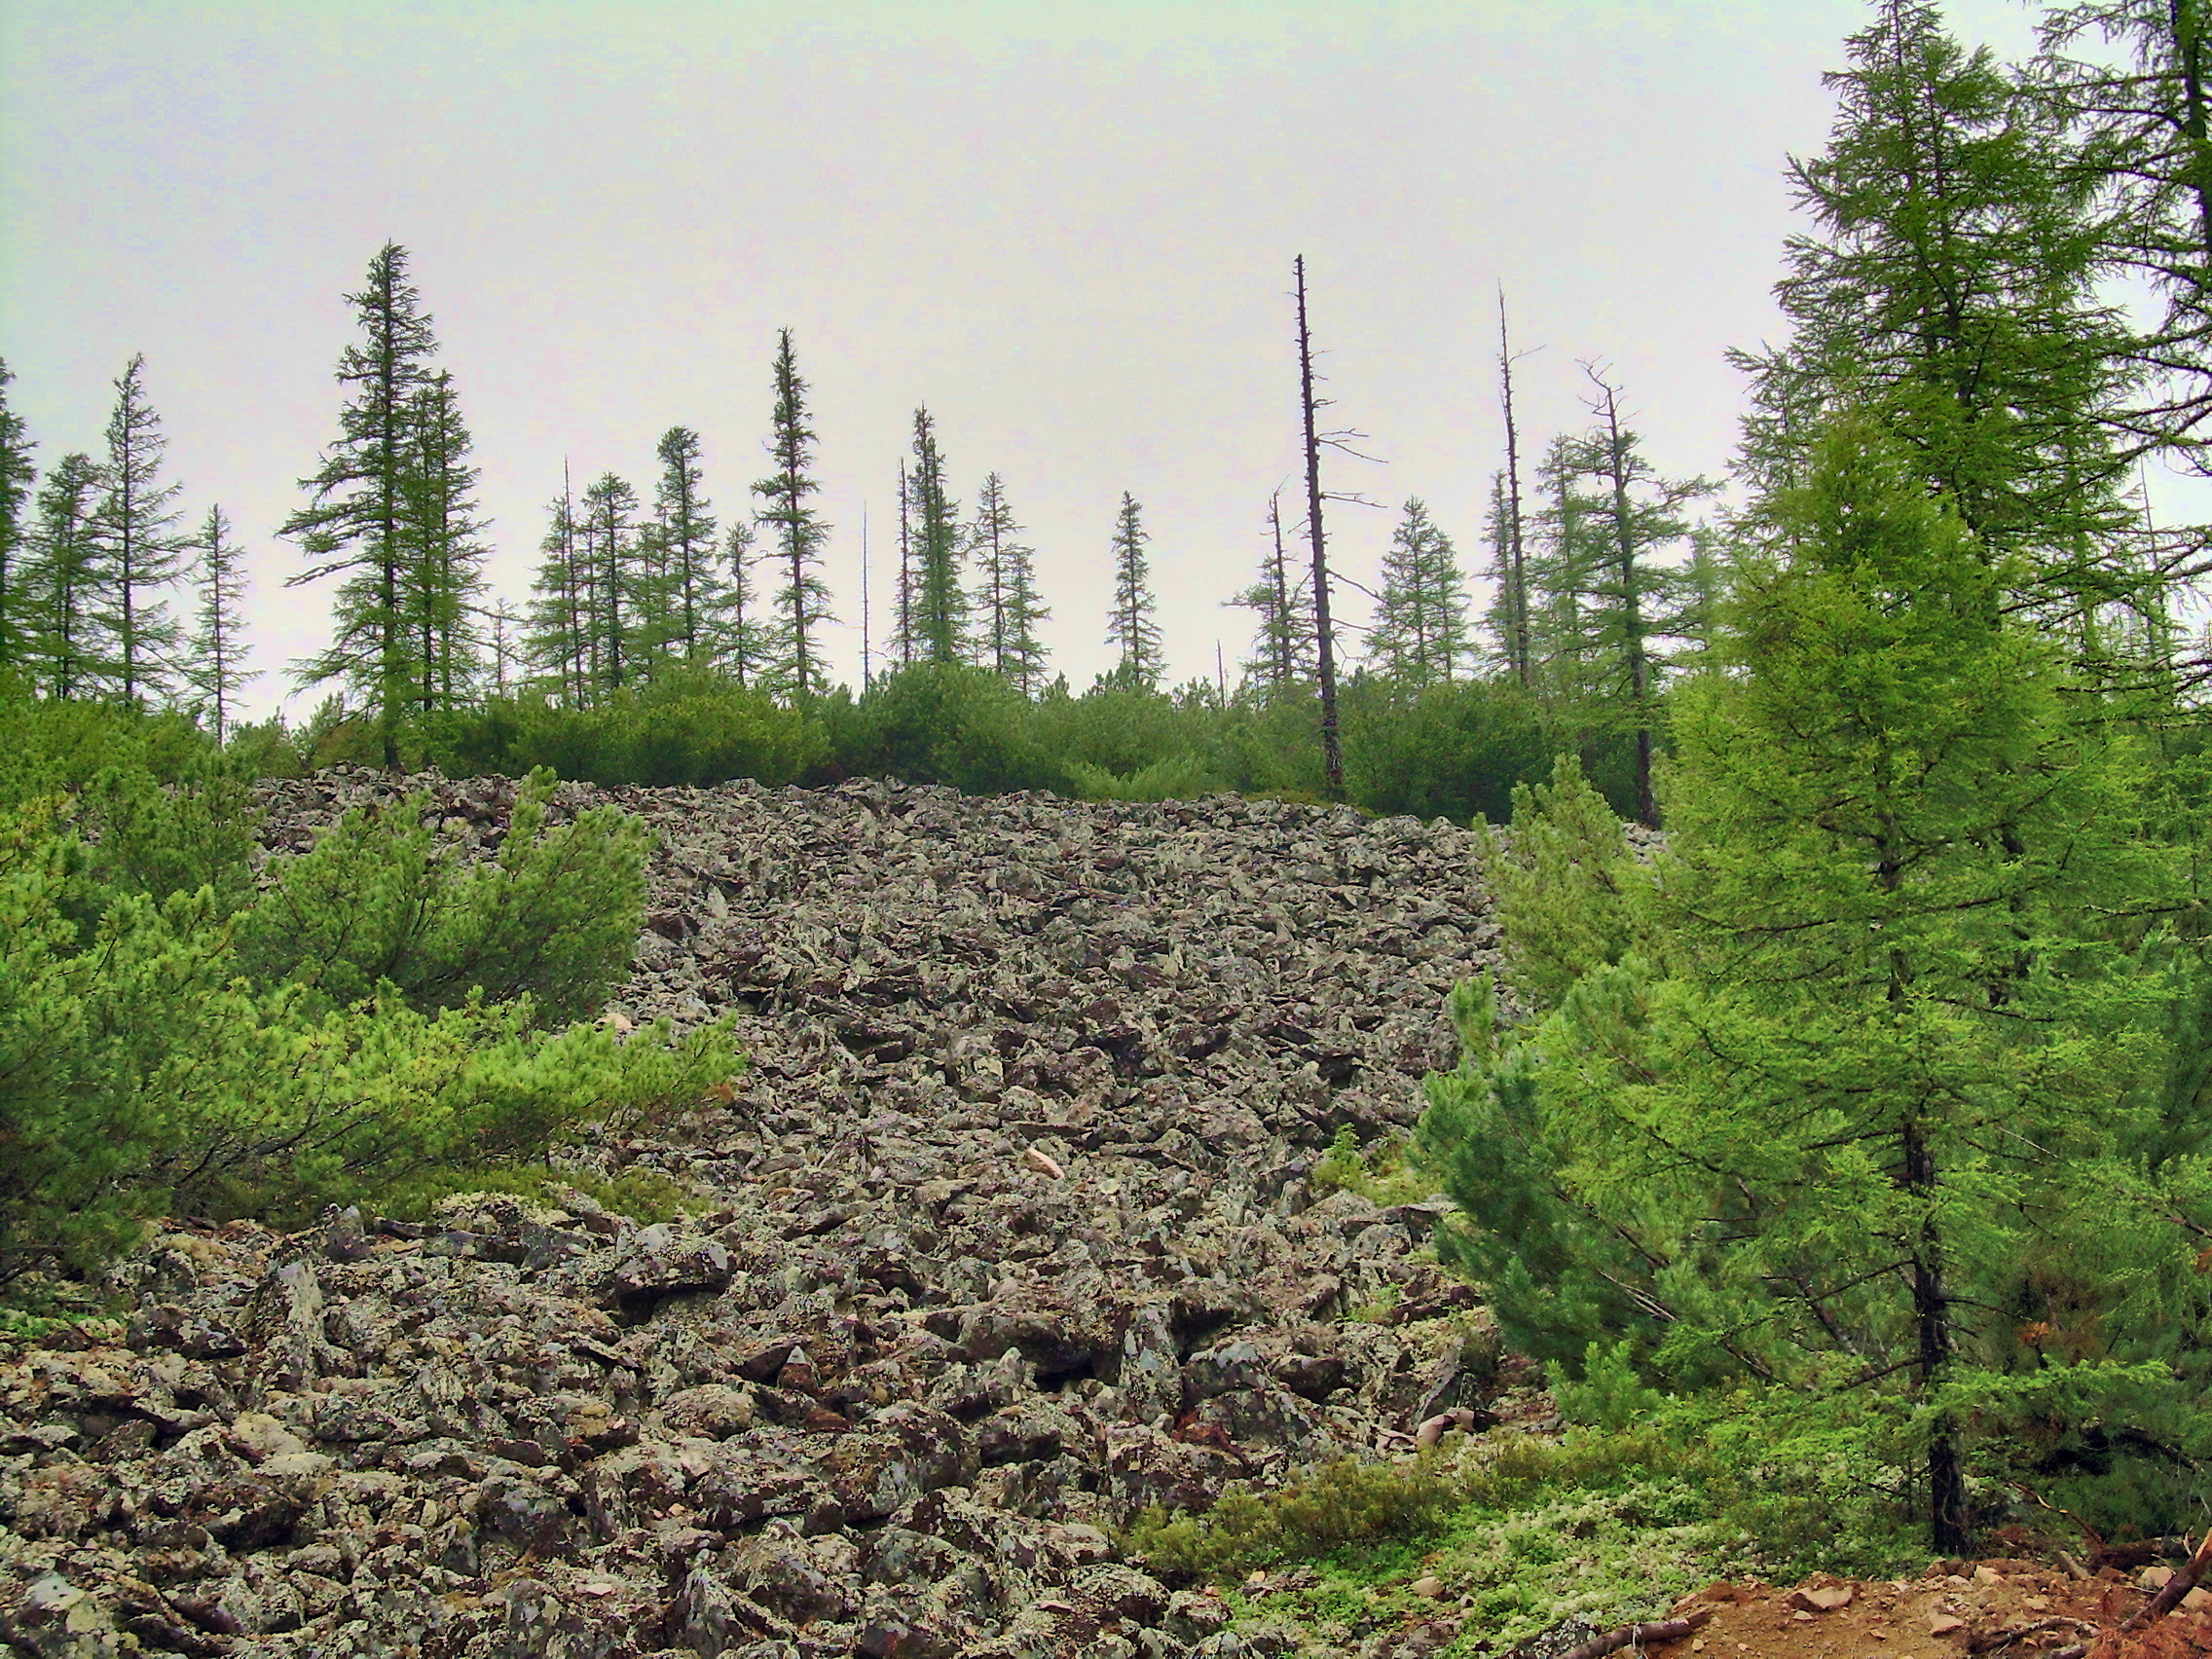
{"x": 1067, "y": 228}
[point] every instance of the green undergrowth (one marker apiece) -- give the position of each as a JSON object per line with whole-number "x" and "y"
{"x": 641, "y": 1195}
{"x": 1387, "y": 1173}
{"x": 1605, "y": 1524}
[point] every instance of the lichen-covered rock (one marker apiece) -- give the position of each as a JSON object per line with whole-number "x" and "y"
{"x": 1006, "y": 1234}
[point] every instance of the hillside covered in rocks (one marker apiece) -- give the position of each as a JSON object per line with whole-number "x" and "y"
{"x": 1011, "y": 1233}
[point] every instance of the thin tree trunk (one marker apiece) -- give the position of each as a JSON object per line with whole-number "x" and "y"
{"x": 1325, "y": 660}
{"x": 1950, "y": 1511}
{"x": 1517, "y": 597}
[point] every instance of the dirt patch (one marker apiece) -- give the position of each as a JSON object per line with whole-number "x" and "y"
{"x": 2006, "y": 1607}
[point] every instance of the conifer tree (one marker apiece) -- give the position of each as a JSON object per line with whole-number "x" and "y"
{"x": 1846, "y": 1095}
{"x": 795, "y": 530}
{"x": 1632, "y": 513}
{"x": 17, "y": 474}
{"x": 1419, "y": 634}
{"x": 137, "y": 549}
{"x": 445, "y": 565}
{"x": 66, "y": 641}
{"x": 214, "y": 667}
{"x": 557, "y": 638}
{"x": 683, "y": 535}
{"x": 1950, "y": 282}
{"x": 1282, "y": 639}
{"x": 356, "y": 522}
{"x": 504, "y": 643}
{"x": 620, "y": 599}
{"x": 1005, "y": 592}
{"x": 1133, "y": 624}
{"x": 2143, "y": 138}
{"x": 903, "y": 599}
{"x": 746, "y": 640}
{"x": 940, "y": 608}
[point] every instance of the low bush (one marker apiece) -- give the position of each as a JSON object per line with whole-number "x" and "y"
{"x": 378, "y": 902}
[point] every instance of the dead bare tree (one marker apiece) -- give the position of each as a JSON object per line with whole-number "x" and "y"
{"x": 1324, "y": 640}
{"x": 1517, "y": 566}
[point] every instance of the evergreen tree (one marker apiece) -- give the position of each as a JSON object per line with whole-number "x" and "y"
{"x": 66, "y": 643}
{"x": 138, "y": 550}
{"x": 16, "y": 476}
{"x": 903, "y": 600}
{"x": 683, "y": 532}
{"x": 1950, "y": 283}
{"x": 620, "y": 608}
{"x": 940, "y": 609}
{"x": 746, "y": 640}
{"x": 1282, "y": 639}
{"x": 446, "y": 549}
{"x": 356, "y": 522}
{"x": 2145, "y": 143}
{"x": 795, "y": 530}
{"x": 504, "y": 643}
{"x": 1133, "y": 624}
{"x": 1005, "y": 592}
{"x": 1630, "y": 515}
{"x": 557, "y": 638}
{"x": 1845, "y": 1094}
{"x": 1419, "y": 634}
{"x": 1560, "y": 569}
{"x": 214, "y": 668}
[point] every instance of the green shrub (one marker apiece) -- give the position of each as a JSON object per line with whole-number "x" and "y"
{"x": 1391, "y": 1174}
{"x": 141, "y": 1065}
{"x": 377, "y": 902}
{"x": 948, "y": 723}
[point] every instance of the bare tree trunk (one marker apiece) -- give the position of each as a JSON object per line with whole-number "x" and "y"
{"x": 1325, "y": 657}
{"x": 1517, "y": 599}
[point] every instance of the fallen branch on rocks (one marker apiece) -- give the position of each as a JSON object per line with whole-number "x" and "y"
{"x": 1635, "y": 1635}
{"x": 2175, "y": 1588}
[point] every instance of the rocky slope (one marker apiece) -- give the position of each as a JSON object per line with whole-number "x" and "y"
{"x": 1011, "y": 1234}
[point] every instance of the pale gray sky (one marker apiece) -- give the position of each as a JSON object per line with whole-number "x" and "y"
{"x": 1067, "y": 228}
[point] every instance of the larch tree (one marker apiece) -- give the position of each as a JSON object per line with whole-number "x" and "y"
{"x": 66, "y": 641}
{"x": 1843, "y": 1100}
{"x": 1420, "y": 632}
{"x": 445, "y": 533}
{"x": 214, "y": 665}
{"x": 557, "y": 636}
{"x": 2145, "y": 140}
{"x": 1633, "y": 514}
{"x": 1282, "y": 637}
{"x": 940, "y": 605}
{"x": 17, "y": 473}
{"x": 1005, "y": 591}
{"x": 505, "y": 643}
{"x": 357, "y": 522}
{"x": 622, "y": 608}
{"x": 1134, "y": 621}
{"x": 684, "y": 535}
{"x": 1950, "y": 280}
{"x": 795, "y": 530}
{"x": 745, "y": 640}
{"x": 903, "y": 592}
{"x": 138, "y": 550}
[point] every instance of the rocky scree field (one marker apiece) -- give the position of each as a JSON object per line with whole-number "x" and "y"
{"x": 1007, "y": 1232}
